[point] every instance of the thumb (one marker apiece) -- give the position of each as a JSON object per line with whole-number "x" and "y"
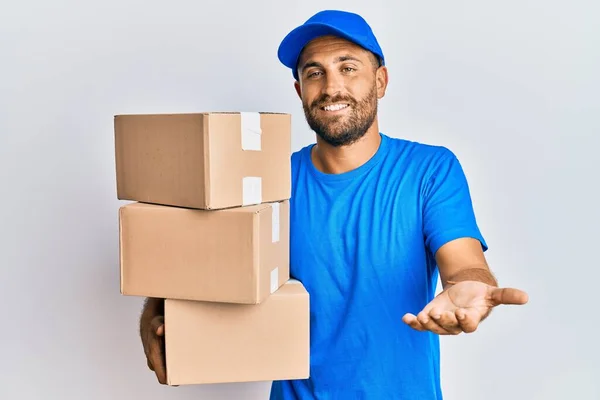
{"x": 508, "y": 296}
{"x": 157, "y": 325}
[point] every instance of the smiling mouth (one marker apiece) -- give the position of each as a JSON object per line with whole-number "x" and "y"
{"x": 335, "y": 107}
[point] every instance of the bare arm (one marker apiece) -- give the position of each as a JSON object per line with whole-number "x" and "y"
{"x": 463, "y": 260}
{"x": 450, "y": 230}
{"x": 470, "y": 291}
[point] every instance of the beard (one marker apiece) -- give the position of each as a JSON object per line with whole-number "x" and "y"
{"x": 342, "y": 130}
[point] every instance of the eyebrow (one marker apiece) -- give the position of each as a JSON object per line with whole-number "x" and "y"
{"x": 339, "y": 59}
{"x": 347, "y": 58}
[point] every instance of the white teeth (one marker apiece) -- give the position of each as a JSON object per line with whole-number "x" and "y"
{"x": 335, "y": 107}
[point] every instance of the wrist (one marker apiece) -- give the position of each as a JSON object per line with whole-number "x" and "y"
{"x": 477, "y": 274}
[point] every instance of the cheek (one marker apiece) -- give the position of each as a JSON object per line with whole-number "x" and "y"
{"x": 309, "y": 93}
{"x": 358, "y": 86}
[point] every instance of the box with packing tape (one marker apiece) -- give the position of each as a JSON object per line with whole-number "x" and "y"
{"x": 234, "y": 255}
{"x": 225, "y": 343}
{"x": 209, "y": 160}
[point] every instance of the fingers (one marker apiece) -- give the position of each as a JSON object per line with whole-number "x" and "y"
{"x": 508, "y": 296}
{"x": 446, "y": 320}
{"x": 156, "y": 358}
{"x": 155, "y": 349}
{"x": 411, "y": 320}
{"x": 424, "y": 322}
{"x": 437, "y": 321}
{"x": 444, "y": 323}
{"x": 468, "y": 319}
{"x": 157, "y": 325}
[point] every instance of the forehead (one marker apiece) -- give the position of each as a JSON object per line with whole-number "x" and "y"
{"x": 325, "y": 47}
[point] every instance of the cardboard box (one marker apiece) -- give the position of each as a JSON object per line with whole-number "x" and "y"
{"x": 225, "y": 343}
{"x": 236, "y": 255}
{"x": 203, "y": 160}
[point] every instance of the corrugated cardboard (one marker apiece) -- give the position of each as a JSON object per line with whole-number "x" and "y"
{"x": 203, "y": 160}
{"x": 220, "y": 343}
{"x": 237, "y": 255}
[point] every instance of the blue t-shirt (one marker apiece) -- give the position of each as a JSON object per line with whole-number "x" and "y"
{"x": 362, "y": 243}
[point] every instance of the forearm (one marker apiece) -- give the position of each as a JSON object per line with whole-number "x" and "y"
{"x": 476, "y": 273}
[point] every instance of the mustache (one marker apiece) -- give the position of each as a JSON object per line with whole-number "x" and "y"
{"x": 326, "y": 99}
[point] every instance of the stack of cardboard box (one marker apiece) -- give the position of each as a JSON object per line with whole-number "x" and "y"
{"x": 208, "y": 230}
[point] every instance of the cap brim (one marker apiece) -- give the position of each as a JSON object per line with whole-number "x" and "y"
{"x": 295, "y": 41}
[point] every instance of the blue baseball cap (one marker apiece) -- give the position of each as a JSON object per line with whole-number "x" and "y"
{"x": 346, "y": 25}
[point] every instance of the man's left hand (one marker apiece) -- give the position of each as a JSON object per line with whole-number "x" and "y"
{"x": 462, "y": 306}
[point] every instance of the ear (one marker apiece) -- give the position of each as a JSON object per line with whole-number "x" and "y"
{"x": 381, "y": 77}
{"x": 298, "y": 89}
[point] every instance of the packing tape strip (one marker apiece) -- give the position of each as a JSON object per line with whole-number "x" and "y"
{"x": 275, "y": 226}
{"x": 274, "y": 280}
{"x": 251, "y": 131}
{"x": 251, "y": 190}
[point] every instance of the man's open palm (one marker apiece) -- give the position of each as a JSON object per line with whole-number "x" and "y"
{"x": 462, "y": 306}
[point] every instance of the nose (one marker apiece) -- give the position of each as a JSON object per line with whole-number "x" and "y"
{"x": 333, "y": 84}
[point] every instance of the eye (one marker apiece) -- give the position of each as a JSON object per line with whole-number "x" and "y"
{"x": 348, "y": 69}
{"x": 313, "y": 74}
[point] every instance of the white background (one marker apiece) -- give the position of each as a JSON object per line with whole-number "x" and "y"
{"x": 511, "y": 87}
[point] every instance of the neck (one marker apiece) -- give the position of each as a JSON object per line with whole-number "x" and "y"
{"x": 337, "y": 160}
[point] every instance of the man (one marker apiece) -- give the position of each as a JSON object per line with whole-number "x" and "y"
{"x": 374, "y": 220}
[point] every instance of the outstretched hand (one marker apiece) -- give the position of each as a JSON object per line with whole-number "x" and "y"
{"x": 462, "y": 306}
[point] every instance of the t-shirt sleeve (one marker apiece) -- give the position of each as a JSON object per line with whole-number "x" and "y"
{"x": 447, "y": 205}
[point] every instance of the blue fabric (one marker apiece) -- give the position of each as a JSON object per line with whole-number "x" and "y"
{"x": 347, "y": 25}
{"x": 362, "y": 243}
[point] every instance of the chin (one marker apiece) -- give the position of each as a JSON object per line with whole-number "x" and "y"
{"x": 340, "y": 139}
